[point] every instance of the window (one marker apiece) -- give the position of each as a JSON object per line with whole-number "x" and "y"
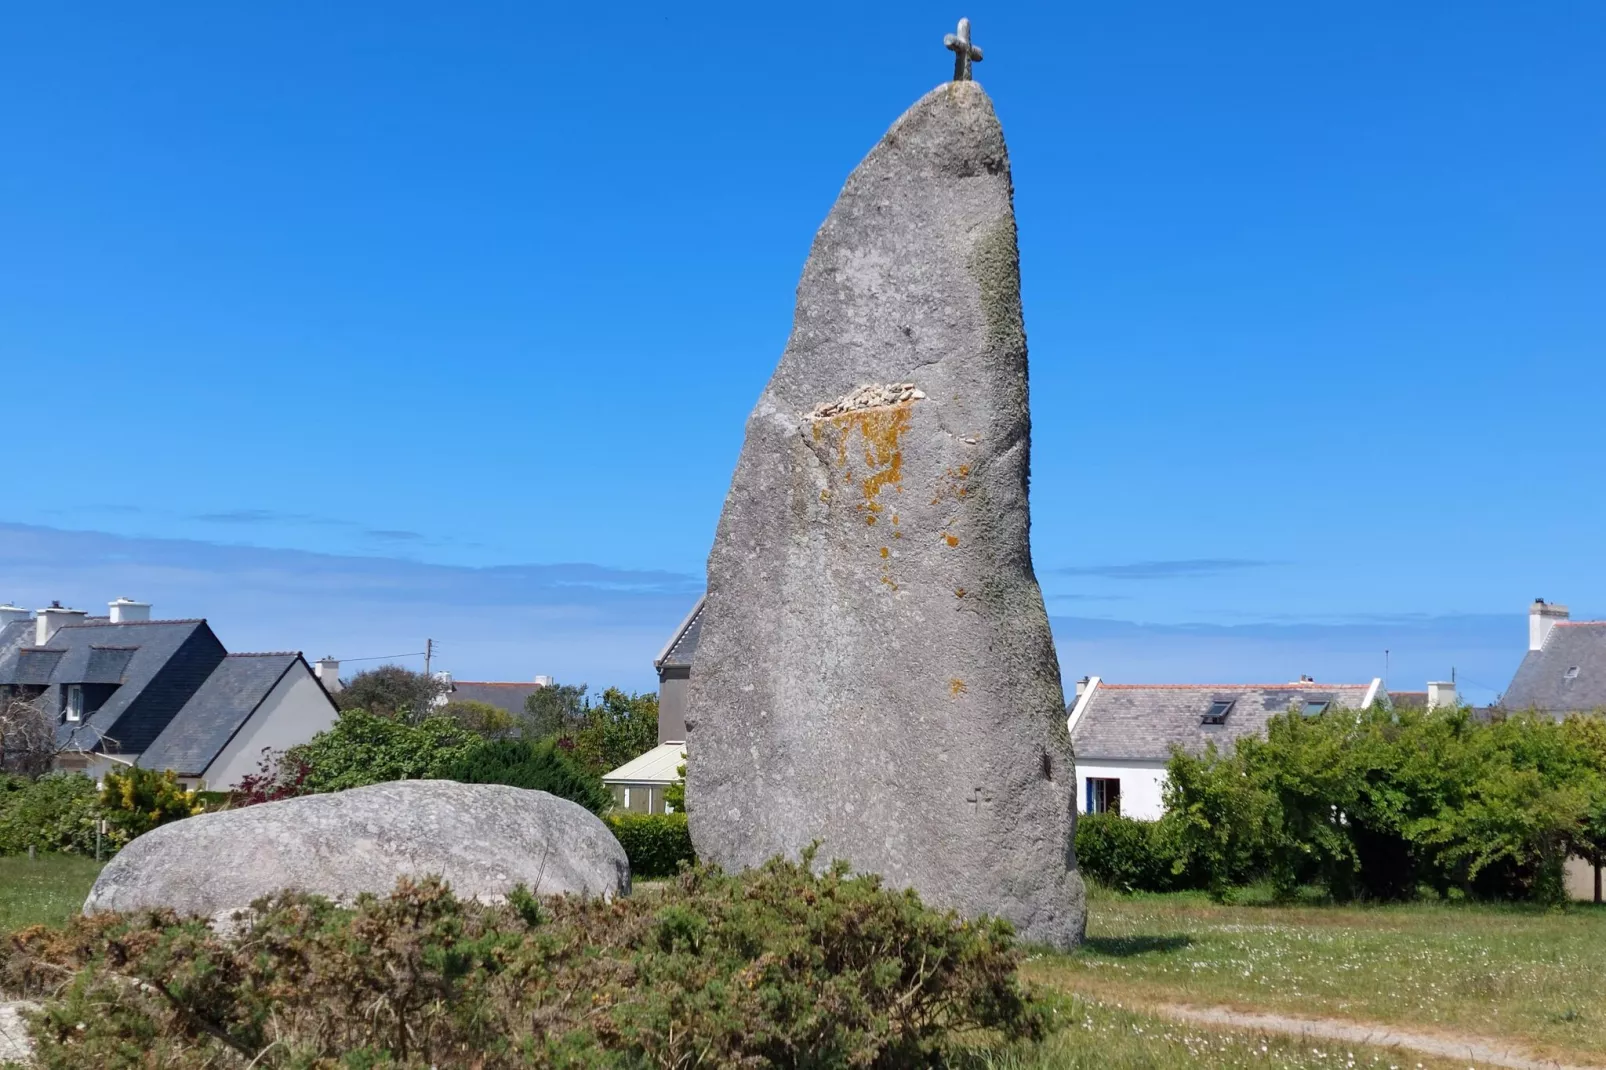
{"x": 1103, "y": 795}
{"x": 1571, "y": 673}
{"x": 1217, "y": 713}
{"x": 75, "y": 702}
{"x": 1315, "y": 707}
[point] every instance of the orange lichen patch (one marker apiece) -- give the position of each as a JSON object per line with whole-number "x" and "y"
{"x": 959, "y": 592}
{"x": 897, "y": 534}
{"x": 951, "y": 540}
{"x": 825, "y": 495}
{"x": 894, "y": 519}
{"x": 886, "y": 551}
{"x": 870, "y": 520}
{"x": 957, "y": 687}
{"x": 888, "y": 581}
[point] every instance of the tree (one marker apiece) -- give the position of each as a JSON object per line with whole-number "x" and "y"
{"x": 555, "y": 710}
{"x": 620, "y": 727}
{"x": 391, "y": 691}
{"x": 27, "y": 735}
{"x": 481, "y": 718}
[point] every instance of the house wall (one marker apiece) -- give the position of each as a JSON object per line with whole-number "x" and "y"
{"x": 643, "y": 798}
{"x": 295, "y": 710}
{"x": 672, "y": 687}
{"x": 1141, "y": 785}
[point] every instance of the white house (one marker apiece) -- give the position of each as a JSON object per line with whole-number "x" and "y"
{"x": 1123, "y": 734}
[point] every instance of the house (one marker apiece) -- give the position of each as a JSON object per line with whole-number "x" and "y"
{"x": 508, "y": 696}
{"x": 639, "y": 784}
{"x": 1564, "y": 670}
{"x": 1123, "y": 734}
{"x": 126, "y": 690}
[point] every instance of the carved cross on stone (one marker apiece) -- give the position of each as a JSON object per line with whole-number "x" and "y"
{"x": 964, "y": 52}
{"x": 979, "y": 800}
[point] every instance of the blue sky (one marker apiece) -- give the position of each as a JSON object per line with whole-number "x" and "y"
{"x": 344, "y": 325}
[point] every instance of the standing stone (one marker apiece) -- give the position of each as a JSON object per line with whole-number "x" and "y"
{"x": 875, "y": 669}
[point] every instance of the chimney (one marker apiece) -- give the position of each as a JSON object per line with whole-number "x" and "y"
{"x": 126, "y": 610}
{"x": 48, "y": 621}
{"x": 1081, "y": 686}
{"x": 10, "y": 614}
{"x": 328, "y": 670}
{"x": 543, "y": 681}
{"x": 1441, "y": 694}
{"x": 1542, "y": 617}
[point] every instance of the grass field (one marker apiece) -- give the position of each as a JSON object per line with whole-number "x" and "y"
{"x": 45, "y": 891}
{"x": 1522, "y": 974}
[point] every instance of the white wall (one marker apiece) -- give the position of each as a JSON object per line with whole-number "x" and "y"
{"x": 1141, "y": 783}
{"x": 294, "y": 711}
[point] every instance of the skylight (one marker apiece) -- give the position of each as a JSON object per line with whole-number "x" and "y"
{"x": 1315, "y": 707}
{"x": 1571, "y": 673}
{"x": 1217, "y": 713}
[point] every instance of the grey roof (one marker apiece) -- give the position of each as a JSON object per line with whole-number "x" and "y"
{"x": 682, "y": 645}
{"x": 508, "y": 696}
{"x": 1143, "y": 722}
{"x": 153, "y": 667}
{"x": 199, "y": 731}
{"x": 1542, "y": 681}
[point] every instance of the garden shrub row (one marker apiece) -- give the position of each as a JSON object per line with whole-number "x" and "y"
{"x": 656, "y": 844}
{"x": 776, "y": 966}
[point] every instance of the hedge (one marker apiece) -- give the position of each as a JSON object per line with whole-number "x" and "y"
{"x": 56, "y": 812}
{"x": 656, "y": 844}
{"x": 1126, "y": 854}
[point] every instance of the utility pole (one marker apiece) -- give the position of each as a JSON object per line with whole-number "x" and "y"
{"x": 429, "y": 654}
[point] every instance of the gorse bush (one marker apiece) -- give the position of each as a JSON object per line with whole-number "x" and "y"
{"x": 656, "y": 844}
{"x": 135, "y": 800}
{"x": 775, "y": 967}
{"x": 524, "y": 764}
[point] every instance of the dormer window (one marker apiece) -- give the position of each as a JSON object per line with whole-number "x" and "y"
{"x": 1217, "y": 713}
{"x": 1571, "y": 673}
{"x": 75, "y": 702}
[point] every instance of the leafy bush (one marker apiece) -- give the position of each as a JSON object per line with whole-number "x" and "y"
{"x": 1127, "y": 854}
{"x": 391, "y": 691}
{"x": 618, "y": 728}
{"x": 656, "y": 844}
{"x": 775, "y": 967}
{"x": 523, "y": 764}
{"x": 135, "y": 800}
{"x": 56, "y": 812}
{"x": 362, "y": 748}
{"x": 1377, "y": 803}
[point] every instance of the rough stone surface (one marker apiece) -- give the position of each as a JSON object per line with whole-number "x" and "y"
{"x": 875, "y": 669}
{"x": 482, "y": 838}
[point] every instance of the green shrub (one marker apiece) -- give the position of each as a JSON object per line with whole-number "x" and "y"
{"x": 361, "y": 748}
{"x": 774, "y": 967}
{"x": 1127, "y": 854}
{"x": 656, "y": 844}
{"x": 525, "y": 764}
{"x": 56, "y": 812}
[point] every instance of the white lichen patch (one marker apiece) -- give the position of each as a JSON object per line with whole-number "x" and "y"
{"x": 873, "y": 396}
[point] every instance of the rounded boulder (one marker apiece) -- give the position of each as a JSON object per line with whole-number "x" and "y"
{"x": 482, "y": 839}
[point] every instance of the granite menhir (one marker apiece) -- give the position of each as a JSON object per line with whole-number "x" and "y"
{"x": 875, "y": 670}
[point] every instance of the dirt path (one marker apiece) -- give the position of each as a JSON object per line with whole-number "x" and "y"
{"x": 1473, "y": 1049}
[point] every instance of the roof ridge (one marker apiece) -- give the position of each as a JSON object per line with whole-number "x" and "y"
{"x": 263, "y": 654}
{"x": 1308, "y": 686}
{"x": 499, "y": 683}
{"x": 104, "y": 623}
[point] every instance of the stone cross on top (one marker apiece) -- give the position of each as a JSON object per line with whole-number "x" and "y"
{"x": 964, "y": 52}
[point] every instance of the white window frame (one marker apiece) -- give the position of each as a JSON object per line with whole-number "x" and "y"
{"x": 75, "y": 702}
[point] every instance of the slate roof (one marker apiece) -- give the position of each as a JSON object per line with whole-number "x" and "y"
{"x": 504, "y": 696}
{"x": 682, "y": 646}
{"x": 152, "y": 667}
{"x": 1142, "y": 722}
{"x": 200, "y": 730}
{"x": 1543, "y": 682}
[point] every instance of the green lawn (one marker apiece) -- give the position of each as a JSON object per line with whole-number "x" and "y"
{"x": 1098, "y": 1036}
{"x": 45, "y": 891}
{"x": 1525, "y": 974}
